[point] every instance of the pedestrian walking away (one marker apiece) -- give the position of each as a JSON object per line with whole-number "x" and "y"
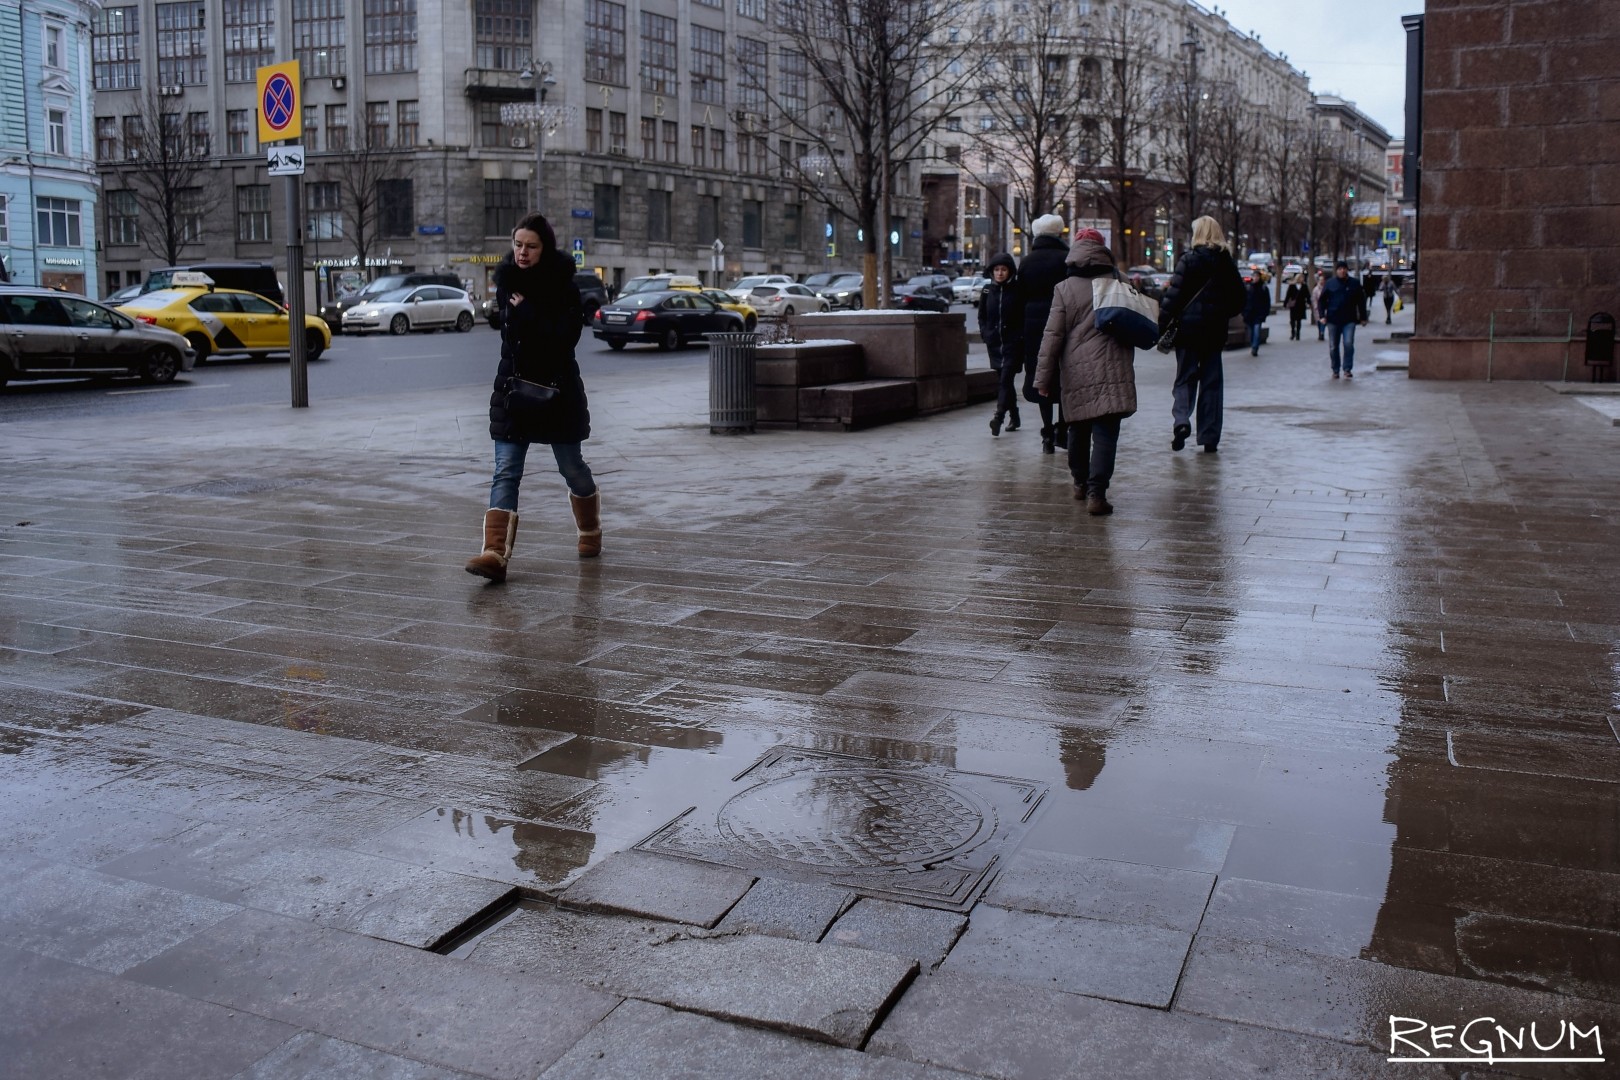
{"x": 1096, "y": 372}
{"x": 1297, "y": 300}
{"x": 1042, "y": 271}
{"x": 1001, "y": 327}
{"x": 1256, "y": 310}
{"x": 1343, "y": 306}
{"x": 1204, "y": 293}
{"x": 1388, "y": 289}
{"x": 542, "y": 319}
{"x": 1316, "y": 305}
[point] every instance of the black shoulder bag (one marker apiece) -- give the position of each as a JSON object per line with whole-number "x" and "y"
{"x": 1167, "y": 340}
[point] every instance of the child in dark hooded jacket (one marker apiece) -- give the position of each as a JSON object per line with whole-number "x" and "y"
{"x": 1001, "y": 325}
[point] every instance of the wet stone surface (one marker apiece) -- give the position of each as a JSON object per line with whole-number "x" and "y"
{"x": 1316, "y": 730}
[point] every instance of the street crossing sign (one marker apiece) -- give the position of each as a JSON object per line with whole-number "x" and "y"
{"x": 280, "y": 116}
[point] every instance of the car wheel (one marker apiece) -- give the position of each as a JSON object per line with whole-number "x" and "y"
{"x": 670, "y": 341}
{"x": 750, "y": 322}
{"x": 788, "y": 312}
{"x": 162, "y": 365}
{"x": 314, "y": 344}
{"x": 399, "y": 325}
{"x": 464, "y": 322}
{"x": 200, "y": 344}
{"x": 616, "y": 344}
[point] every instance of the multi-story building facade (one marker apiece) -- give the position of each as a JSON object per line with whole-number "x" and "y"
{"x": 654, "y": 132}
{"x": 1359, "y": 148}
{"x": 48, "y": 183}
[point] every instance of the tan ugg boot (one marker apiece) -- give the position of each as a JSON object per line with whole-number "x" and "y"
{"x": 500, "y": 530}
{"x": 588, "y": 519}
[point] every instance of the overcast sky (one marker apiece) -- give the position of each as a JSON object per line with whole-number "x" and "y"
{"x": 1356, "y": 50}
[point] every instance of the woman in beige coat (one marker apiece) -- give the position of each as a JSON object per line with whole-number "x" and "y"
{"x": 1096, "y": 373}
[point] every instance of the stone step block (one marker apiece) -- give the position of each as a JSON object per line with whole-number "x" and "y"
{"x": 812, "y": 364}
{"x": 983, "y": 385}
{"x": 854, "y": 405}
{"x": 896, "y": 344}
{"x": 940, "y": 392}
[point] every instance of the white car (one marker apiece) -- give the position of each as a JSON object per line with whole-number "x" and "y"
{"x": 419, "y": 307}
{"x": 966, "y": 290}
{"x": 743, "y": 288}
{"x": 776, "y": 301}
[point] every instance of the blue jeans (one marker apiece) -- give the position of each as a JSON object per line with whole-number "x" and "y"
{"x": 509, "y": 458}
{"x": 1347, "y": 335}
{"x": 1254, "y": 337}
{"x": 1201, "y": 382}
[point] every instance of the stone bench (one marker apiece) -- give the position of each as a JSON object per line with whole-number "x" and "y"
{"x": 850, "y": 406}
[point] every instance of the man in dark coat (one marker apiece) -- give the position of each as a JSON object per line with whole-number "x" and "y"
{"x": 1042, "y": 270}
{"x": 1342, "y": 308}
{"x": 1256, "y": 310}
{"x": 1001, "y": 326}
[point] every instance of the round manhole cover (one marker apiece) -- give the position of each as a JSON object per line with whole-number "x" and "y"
{"x": 853, "y": 820}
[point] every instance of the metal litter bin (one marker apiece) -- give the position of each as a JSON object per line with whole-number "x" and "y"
{"x": 731, "y": 383}
{"x": 1600, "y": 346}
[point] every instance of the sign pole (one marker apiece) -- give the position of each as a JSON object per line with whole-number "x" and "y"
{"x": 281, "y": 121}
{"x": 299, "y": 365}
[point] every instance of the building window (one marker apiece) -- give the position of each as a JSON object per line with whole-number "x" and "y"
{"x": 106, "y": 138}
{"x": 751, "y": 9}
{"x": 239, "y": 131}
{"x": 377, "y": 124}
{"x": 250, "y": 38}
{"x": 53, "y": 46}
{"x": 188, "y": 209}
{"x": 762, "y": 153}
{"x": 410, "y": 123}
{"x": 504, "y": 203}
{"x": 649, "y": 138}
{"x": 337, "y": 127}
{"x": 672, "y": 142}
{"x": 792, "y": 226}
{"x": 753, "y": 215}
{"x": 593, "y": 131}
{"x": 123, "y": 218}
{"x": 115, "y": 48}
{"x": 323, "y": 211}
{"x": 198, "y": 144}
{"x": 319, "y": 39}
{"x": 953, "y": 154}
{"x": 605, "y": 210}
{"x": 751, "y": 74}
{"x": 717, "y": 148}
{"x": 134, "y": 135}
{"x": 795, "y": 73}
{"x": 491, "y": 132}
{"x": 182, "y": 44}
{"x": 658, "y": 216}
{"x": 505, "y": 33}
{"x": 618, "y": 127}
{"x": 312, "y": 128}
{"x": 708, "y": 219}
{"x": 57, "y": 222}
{"x": 253, "y": 213}
{"x": 604, "y": 42}
{"x": 658, "y": 62}
{"x": 56, "y": 130}
{"x": 708, "y": 66}
{"x": 396, "y": 208}
{"x": 700, "y": 144}
{"x": 390, "y": 36}
{"x": 745, "y": 155}
{"x": 5, "y": 219}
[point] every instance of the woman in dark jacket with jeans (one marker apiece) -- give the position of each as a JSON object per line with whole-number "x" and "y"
{"x": 1001, "y": 326}
{"x": 1041, "y": 271}
{"x": 541, "y": 323}
{"x": 1204, "y": 294}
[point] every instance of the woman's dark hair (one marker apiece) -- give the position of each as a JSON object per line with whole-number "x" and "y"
{"x": 537, "y": 224}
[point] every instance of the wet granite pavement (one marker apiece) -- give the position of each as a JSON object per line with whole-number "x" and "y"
{"x": 856, "y": 755}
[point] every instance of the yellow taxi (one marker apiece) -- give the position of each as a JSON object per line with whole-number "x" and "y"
{"x": 750, "y": 316}
{"x": 224, "y": 322}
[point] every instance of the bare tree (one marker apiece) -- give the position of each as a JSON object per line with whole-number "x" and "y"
{"x": 1181, "y": 100}
{"x": 359, "y": 174}
{"x": 1232, "y": 155}
{"x": 1283, "y": 141}
{"x": 163, "y": 164}
{"x": 854, "y": 90}
{"x": 1123, "y": 108}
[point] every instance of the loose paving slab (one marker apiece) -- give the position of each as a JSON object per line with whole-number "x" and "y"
{"x": 540, "y": 859}
{"x": 1057, "y": 884}
{"x": 790, "y": 909}
{"x": 923, "y": 934}
{"x": 820, "y": 991}
{"x": 637, "y": 883}
{"x": 316, "y": 1057}
{"x": 379, "y": 994}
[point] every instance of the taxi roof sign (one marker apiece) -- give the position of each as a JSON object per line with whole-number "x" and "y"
{"x": 191, "y": 278}
{"x": 281, "y": 116}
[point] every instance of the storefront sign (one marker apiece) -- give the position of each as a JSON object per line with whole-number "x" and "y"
{"x": 63, "y": 260}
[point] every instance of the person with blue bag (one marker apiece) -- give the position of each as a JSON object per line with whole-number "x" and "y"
{"x": 1091, "y": 367}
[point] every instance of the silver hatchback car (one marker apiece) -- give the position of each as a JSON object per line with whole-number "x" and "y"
{"x": 45, "y": 334}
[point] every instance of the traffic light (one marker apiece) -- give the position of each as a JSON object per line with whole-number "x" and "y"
{"x": 1350, "y": 192}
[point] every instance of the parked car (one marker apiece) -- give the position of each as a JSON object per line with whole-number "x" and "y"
{"x": 749, "y": 313}
{"x": 254, "y": 277}
{"x": 940, "y": 283}
{"x": 843, "y": 291}
{"x": 220, "y": 322}
{"x": 333, "y": 312}
{"x": 592, "y": 295}
{"x": 966, "y": 290}
{"x": 422, "y": 307}
{"x": 920, "y": 298}
{"x": 1153, "y": 285}
{"x": 777, "y": 301}
{"x": 743, "y": 287}
{"x": 816, "y": 282}
{"x": 128, "y": 292}
{"x": 45, "y": 334}
{"x": 659, "y": 283}
{"x": 668, "y": 318}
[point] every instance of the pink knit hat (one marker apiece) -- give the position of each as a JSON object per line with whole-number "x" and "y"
{"x": 1091, "y": 234}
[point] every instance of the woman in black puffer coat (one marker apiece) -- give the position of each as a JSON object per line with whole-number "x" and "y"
{"x": 1001, "y": 327}
{"x": 540, "y": 325}
{"x": 1042, "y": 270}
{"x": 1204, "y": 293}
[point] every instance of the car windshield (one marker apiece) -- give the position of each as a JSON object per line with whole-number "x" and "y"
{"x": 765, "y": 290}
{"x": 747, "y": 283}
{"x": 392, "y": 296}
{"x": 921, "y": 279}
{"x": 383, "y": 285}
{"x": 642, "y": 299}
{"x": 846, "y": 281}
{"x": 816, "y": 280}
{"x": 643, "y": 284}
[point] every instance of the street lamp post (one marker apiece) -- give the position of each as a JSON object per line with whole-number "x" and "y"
{"x": 542, "y": 80}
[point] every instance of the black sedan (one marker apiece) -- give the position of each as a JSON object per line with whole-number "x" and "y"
{"x": 920, "y": 298}
{"x": 668, "y": 319}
